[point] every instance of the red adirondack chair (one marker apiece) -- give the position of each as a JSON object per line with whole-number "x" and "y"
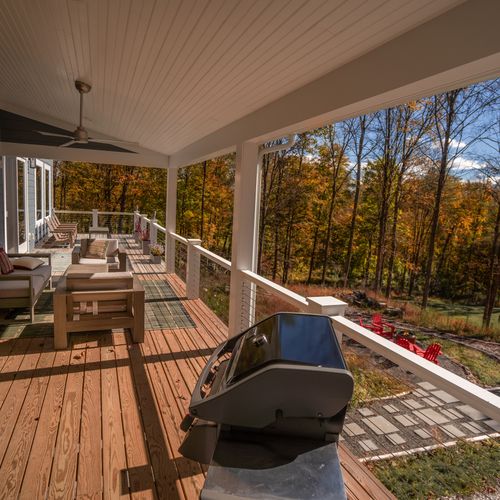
{"x": 432, "y": 352}
{"x": 403, "y": 343}
{"x": 374, "y": 328}
{"x": 386, "y": 329}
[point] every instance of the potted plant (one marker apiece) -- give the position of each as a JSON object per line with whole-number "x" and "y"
{"x": 145, "y": 241}
{"x": 157, "y": 251}
{"x": 137, "y": 231}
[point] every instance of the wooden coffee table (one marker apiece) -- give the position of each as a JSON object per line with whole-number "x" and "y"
{"x": 99, "y": 230}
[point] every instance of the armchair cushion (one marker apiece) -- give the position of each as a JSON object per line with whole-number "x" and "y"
{"x": 96, "y": 249}
{"x": 86, "y": 260}
{"x": 14, "y": 288}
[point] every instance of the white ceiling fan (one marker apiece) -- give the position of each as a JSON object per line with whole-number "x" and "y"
{"x": 80, "y": 135}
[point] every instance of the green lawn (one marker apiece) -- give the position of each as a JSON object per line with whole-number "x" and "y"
{"x": 461, "y": 319}
{"x": 484, "y": 368}
{"x": 462, "y": 470}
{"x": 470, "y": 314}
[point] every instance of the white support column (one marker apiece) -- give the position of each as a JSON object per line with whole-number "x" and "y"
{"x": 245, "y": 235}
{"x": 193, "y": 270}
{"x": 95, "y": 217}
{"x": 170, "y": 219}
{"x": 152, "y": 230}
{"x": 329, "y": 306}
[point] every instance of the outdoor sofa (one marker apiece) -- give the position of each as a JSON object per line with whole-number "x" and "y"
{"x": 23, "y": 287}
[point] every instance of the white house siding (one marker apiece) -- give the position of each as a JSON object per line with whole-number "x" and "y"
{"x": 8, "y": 204}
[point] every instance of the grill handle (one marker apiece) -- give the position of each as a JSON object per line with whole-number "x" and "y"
{"x": 197, "y": 395}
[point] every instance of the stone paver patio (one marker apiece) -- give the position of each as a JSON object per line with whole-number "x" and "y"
{"x": 423, "y": 418}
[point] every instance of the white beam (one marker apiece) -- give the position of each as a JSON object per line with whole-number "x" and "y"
{"x": 245, "y": 235}
{"x": 143, "y": 157}
{"x": 457, "y": 48}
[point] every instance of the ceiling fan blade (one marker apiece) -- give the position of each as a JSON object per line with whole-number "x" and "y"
{"x": 53, "y": 135}
{"x": 69, "y": 143}
{"x": 111, "y": 141}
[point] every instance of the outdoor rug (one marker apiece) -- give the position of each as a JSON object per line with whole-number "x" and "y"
{"x": 162, "y": 310}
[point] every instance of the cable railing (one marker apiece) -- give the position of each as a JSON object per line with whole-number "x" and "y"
{"x": 208, "y": 276}
{"x": 181, "y": 259}
{"x": 82, "y": 218}
{"x": 215, "y": 279}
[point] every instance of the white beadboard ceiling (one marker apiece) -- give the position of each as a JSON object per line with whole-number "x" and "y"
{"x": 166, "y": 73}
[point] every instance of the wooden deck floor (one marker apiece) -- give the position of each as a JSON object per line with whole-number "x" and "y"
{"x": 101, "y": 420}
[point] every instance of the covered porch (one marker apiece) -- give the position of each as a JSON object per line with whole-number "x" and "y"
{"x": 102, "y": 418}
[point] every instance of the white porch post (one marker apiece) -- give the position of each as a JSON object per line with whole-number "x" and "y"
{"x": 193, "y": 270}
{"x": 95, "y": 217}
{"x": 245, "y": 235}
{"x": 153, "y": 230}
{"x": 170, "y": 219}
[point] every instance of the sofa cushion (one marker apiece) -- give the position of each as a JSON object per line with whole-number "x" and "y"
{"x": 14, "y": 289}
{"x": 42, "y": 271}
{"x": 27, "y": 263}
{"x": 96, "y": 249}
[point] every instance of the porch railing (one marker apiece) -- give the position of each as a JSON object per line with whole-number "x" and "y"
{"x": 207, "y": 274}
{"x": 257, "y": 304}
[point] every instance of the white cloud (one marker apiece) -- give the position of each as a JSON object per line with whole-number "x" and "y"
{"x": 467, "y": 167}
{"x": 457, "y": 144}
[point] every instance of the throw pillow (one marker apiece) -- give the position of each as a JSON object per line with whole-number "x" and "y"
{"x": 27, "y": 263}
{"x": 6, "y": 266}
{"x": 96, "y": 249}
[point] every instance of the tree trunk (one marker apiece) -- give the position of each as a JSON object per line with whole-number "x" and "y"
{"x": 493, "y": 273}
{"x": 443, "y": 169}
{"x": 313, "y": 253}
{"x": 394, "y": 230}
{"x": 203, "y": 185}
{"x": 359, "y": 157}
{"x": 384, "y": 203}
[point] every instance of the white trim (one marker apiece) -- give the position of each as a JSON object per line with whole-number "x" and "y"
{"x": 23, "y": 247}
{"x": 226, "y": 264}
{"x": 287, "y": 295}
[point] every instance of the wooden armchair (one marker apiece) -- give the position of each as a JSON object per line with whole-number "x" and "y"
{"x": 62, "y": 234}
{"x": 90, "y": 301}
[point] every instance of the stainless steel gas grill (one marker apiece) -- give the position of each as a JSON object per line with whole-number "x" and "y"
{"x": 267, "y": 408}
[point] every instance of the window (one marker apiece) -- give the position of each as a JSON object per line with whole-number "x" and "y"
{"x": 47, "y": 191}
{"x": 39, "y": 198}
{"x": 21, "y": 217}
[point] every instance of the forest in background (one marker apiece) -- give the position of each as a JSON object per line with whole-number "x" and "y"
{"x": 405, "y": 201}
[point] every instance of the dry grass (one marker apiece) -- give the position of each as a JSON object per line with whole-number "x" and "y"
{"x": 370, "y": 381}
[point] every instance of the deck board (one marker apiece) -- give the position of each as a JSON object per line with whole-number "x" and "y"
{"x": 101, "y": 419}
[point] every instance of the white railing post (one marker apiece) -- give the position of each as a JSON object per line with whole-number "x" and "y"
{"x": 245, "y": 235}
{"x": 170, "y": 220}
{"x": 328, "y": 305}
{"x": 153, "y": 230}
{"x": 193, "y": 269}
{"x": 95, "y": 217}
